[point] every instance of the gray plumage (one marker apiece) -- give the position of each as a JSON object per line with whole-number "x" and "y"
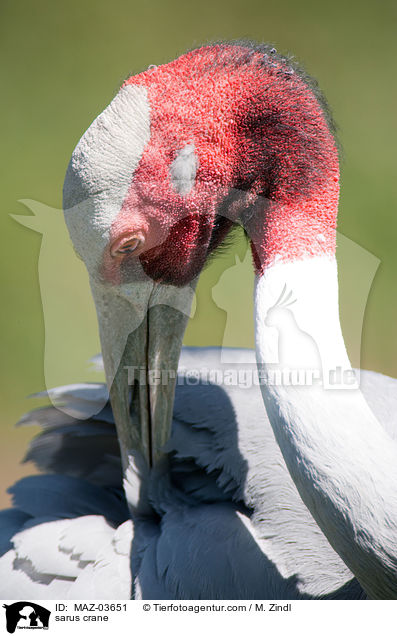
{"x": 222, "y": 519}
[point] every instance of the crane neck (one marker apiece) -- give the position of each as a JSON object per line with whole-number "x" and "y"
{"x": 342, "y": 461}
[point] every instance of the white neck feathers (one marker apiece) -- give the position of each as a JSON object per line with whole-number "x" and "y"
{"x": 340, "y": 458}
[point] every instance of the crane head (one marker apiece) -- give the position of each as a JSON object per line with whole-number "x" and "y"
{"x": 226, "y": 133}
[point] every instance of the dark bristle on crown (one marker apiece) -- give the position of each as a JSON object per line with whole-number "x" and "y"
{"x": 291, "y": 66}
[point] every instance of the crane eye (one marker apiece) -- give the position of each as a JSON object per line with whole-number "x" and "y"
{"x": 126, "y": 245}
{"x": 129, "y": 246}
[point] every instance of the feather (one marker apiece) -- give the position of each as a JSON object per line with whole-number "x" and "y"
{"x": 17, "y": 584}
{"x": 11, "y": 521}
{"x": 226, "y": 522}
{"x": 109, "y": 575}
{"x": 66, "y": 496}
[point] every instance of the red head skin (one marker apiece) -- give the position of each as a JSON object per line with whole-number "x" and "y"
{"x": 266, "y": 158}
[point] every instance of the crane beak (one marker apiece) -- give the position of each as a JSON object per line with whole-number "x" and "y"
{"x": 141, "y": 328}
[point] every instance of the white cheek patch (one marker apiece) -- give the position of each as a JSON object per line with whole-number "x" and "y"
{"x": 100, "y": 171}
{"x": 183, "y": 169}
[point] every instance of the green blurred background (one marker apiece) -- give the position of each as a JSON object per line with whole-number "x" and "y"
{"x": 61, "y": 63}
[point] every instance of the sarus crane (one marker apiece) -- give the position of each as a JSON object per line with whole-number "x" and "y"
{"x": 191, "y": 490}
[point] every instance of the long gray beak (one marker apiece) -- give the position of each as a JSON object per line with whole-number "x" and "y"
{"x": 141, "y": 328}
